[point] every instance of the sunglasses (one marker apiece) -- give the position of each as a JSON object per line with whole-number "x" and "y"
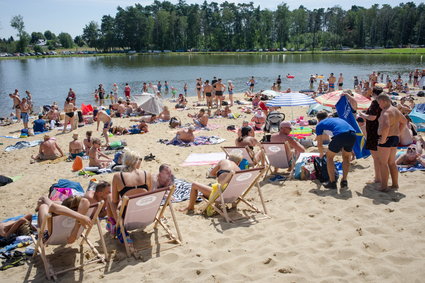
{"x": 411, "y": 149}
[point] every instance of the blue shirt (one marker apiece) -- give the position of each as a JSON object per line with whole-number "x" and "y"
{"x": 335, "y": 125}
{"x": 39, "y": 125}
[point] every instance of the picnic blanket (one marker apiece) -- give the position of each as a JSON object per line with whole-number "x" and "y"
{"x": 417, "y": 167}
{"x": 196, "y": 159}
{"x": 22, "y": 144}
{"x": 201, "y": 140}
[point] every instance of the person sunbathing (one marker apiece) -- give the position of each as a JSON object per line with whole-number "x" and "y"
{"x": 143, "y": 126}
{"x": 164, "y": 178}
{"x": 165, "y": 114}
{"x": 185, "y": 135}
{"x": 102, "y": 191}
{"x": 95, "y": 154}
{"x": 75, "y": 207}
{"x": 131, "y": 181}
{"x": 200, "y": 119}
{"x": 412, "y": 157}
{"x": 49, "y": 150}
{"x": 247, "y": 140}
{"x": 259, "y": 119}
{"x": 20, "y": 227}
{"x": 76, "y": 147}
{"x": 119, "y": 131}
{"x": 283, "y": 136}
{"x": 88, "y": 142}
{"x": 222, "y": 171}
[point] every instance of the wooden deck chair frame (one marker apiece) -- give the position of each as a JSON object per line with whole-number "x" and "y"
{"x": 246, "y": 152}
{"x": 130, "y": 249}
{"x": 269, "y": 163}
{"x": 241, "y": 198}
{"x": 41, "y": 244}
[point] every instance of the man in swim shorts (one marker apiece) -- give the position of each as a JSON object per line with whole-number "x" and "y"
{"x": 391, "y": 121}
{"x": 340, "y": 81}
{"x": 49, "y": 150}
{"x": 219, "y": 87}
{"x": 343, "y": 139}
{"x": 208, "y": 89}
{"x": 331, "y": 81}
{"x": 16, "y": 104}
{"x": 76, "y": 147}
{"x": 25, "y": 108}
{"x": 102, "y": 116}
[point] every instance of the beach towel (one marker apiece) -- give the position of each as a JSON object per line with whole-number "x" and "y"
{"x": 22, "y": 144}
{"x": 417, "y": 167}
{"x": 202, "y": 140}
{"x": 345, "y": 112}
{"x": 196, "y": 159}
{"x": 182, "y": 191}
{"x": 64, "y": 183}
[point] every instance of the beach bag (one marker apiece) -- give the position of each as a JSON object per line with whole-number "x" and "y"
{"x": 77, "y": 165}
{"x": 320, "y": 165}
{"x": 421, "y": 94}
{"x": 308, "y": 172}
{"x": 60, "y": 194}
{"x": 5, "y": 180}
{"x": 118, "y": 158}
{"x": 174, "y": 122}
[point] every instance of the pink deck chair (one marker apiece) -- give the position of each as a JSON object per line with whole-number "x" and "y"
{"x": 141, "y": 210}
{"x": 61, "y": 229}
{"x": 276, "y": 156}
{"x": 239, "y": 185}
{"x": 245, "y": 151}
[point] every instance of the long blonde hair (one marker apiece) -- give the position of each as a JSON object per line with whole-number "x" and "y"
{"x": 131, "y": 159}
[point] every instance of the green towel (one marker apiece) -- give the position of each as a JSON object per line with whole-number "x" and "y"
{"x": 16, "y": 178}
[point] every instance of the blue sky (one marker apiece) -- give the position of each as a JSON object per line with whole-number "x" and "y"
{"x": 72, "y": 15}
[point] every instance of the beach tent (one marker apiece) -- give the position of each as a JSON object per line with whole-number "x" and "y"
{"x": 418, "y": 114}
{"x": 314, "y": 108}
{"x": 149, "y": 102}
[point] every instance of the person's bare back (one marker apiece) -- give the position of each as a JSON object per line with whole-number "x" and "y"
{"x": 185, "y": 135}
{"x": 76, "y": 146}
{"x": 390, "y": 118}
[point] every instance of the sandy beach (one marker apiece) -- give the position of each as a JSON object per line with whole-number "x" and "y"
{"x": 313, "y": 234}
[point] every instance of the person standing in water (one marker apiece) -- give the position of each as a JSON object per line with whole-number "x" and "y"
{"x": 340, "y": 81}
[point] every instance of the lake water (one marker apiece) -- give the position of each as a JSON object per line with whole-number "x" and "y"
{"x": 49, "y": 79}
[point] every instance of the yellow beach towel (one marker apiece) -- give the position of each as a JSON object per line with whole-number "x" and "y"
{"x": 213, "y": 196}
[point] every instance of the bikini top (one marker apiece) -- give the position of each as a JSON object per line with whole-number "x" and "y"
{"x": 126, "y": 189}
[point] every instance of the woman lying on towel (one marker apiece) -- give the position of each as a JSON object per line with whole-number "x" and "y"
{"x": 131, "y": 181}
{"x": 75, "y": 207}
{"x": 222, "y": 172}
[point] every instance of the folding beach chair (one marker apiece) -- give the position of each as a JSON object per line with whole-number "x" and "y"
{"x": 140, "y": 210}
{"x": 276, "y": 156}
{"x": 61, "y": 229}
{"x": 238, "y": 186}
{"x": 245, "y": 151}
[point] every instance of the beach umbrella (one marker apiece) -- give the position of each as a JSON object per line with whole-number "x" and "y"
{"x": 418, "y": 114}
{"x": 291, "y": 99}
{"x": 332, "y": 98}
{"x": 314, "y": 108}
{"x": 149, "y": 102}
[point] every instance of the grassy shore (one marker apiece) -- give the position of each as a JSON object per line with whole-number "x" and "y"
{"x": 398, "y": 51}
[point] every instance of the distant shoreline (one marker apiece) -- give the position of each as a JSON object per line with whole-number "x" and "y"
{"x": 395, "y": 51}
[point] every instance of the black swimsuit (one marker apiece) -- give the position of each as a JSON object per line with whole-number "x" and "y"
{"x": 70, "y": 114}
{"x": 222, "y": 172}
{"x": 126, "y": 189}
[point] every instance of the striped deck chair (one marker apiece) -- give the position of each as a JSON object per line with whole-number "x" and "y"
{"x": 245, "y": 151}
{"x": 276, "y": 157}
{"x": 238, "y": 186}
{"x": 61, "y": 229}
{"x": 141, "y": 210}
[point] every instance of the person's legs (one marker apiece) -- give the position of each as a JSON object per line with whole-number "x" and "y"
{"x": 197, "y": 187}
{"x": 330, "y": 155}
{"x": 105, "y": 134}
{"x": 231, "y": 99}
{"x": 383, "y": 157}
{"x": 345, "y": 164}
{"x": 376, "y": 166}
{"x": 65, "y": 124}
{"x": 393, "y": 168}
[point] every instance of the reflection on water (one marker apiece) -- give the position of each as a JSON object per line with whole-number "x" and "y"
{"x": 49, "y": 79}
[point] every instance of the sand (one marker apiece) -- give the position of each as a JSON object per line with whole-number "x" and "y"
{"x": 313, "y": 234}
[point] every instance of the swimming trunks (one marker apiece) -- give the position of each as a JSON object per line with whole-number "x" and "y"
{"x": 392, "y": 141}
{"x": 25, "y": 117}
{"x": 222, "y": 172}
{"x": 126, "y": 188}
{"x": 340, "y": 84}
{"x": 344, "y": 141}
{"x": 218, "y": 93}
{"x": 17, "y": 106}
{"x": 107, "y": 125}
{"x": 251, "y": 85}
{"x": 70, "y": 114}
{"x": 208, "y": 94}
{"x": 331, "y": 85}
{"x": 74, "y": 155}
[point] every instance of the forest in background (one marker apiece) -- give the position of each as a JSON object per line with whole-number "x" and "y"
{"x": 229, "y": 26}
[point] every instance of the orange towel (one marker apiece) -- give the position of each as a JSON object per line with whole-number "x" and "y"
{"x": 78, "y": 164}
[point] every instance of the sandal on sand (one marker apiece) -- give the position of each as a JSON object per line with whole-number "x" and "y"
{"x": 149, "y": 157}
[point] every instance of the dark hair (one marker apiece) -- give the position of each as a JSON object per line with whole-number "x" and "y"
{"x": 245, "y": 131}
{"x": 163, "y": 166}
{"x": 321, "y": 115}
{"x": 360, "y": 120}
{"x": 377, "y": 90}
{"x": 40, "y": 116}
{"x": 72, "y": 202}
{"x": 102, "y": 186}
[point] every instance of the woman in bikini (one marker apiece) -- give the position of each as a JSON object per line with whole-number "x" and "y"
{"x": 222, "y": 171}
{"x": 246, "y": 139}
{"x": 69, "y": 109}
{"x": 131, "y": 181}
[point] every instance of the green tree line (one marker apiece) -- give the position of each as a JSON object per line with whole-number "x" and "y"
{"x": 230, "y": 26}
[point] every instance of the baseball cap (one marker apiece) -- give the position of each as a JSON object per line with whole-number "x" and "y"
{"x": 286, "y": 124}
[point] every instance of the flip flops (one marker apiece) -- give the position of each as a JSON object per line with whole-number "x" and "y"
{"x": 149, "y": 157}
{"x": 17, "y": 259}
